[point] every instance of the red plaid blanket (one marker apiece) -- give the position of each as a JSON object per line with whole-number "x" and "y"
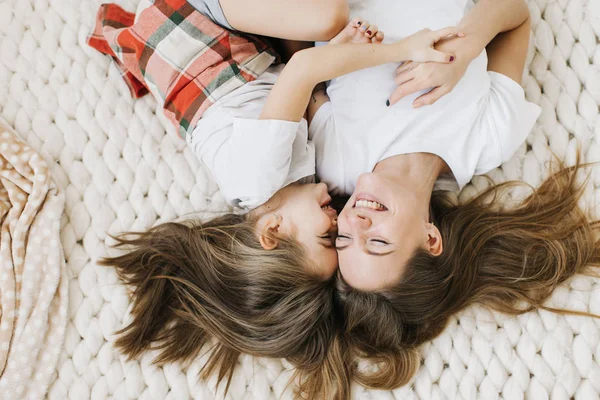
{"x": 184, "y": 59}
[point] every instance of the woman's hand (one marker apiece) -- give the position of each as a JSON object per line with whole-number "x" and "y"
{"x": 419, "y": 46}
{"x": 481, "y": 24}
{"x": 441, "y": 78}
{"x": 414, "y": 77}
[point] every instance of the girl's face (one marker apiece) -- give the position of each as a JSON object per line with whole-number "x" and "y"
{"x": 307, "y": 217}
{"x": 379, "y": 229}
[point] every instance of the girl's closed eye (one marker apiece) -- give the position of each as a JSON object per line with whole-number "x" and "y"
{"x": 329, "y": 237}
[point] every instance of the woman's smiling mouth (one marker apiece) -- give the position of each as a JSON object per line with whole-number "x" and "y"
{"x": 370, "y": 204}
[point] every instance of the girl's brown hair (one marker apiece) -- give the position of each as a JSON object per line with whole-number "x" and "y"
{"x": 196, "y": 281}
{"x": 508, "y": 259}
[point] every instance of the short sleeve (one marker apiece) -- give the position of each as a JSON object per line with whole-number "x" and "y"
{"x": 321, "y": 123}
{"x": 254, "y": 163}
{"x": 507, "y": 118}
{"x": 322, "y": 132}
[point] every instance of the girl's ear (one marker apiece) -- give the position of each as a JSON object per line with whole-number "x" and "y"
{"x": 268, "y": 226}
{"x": 434, "y": 241}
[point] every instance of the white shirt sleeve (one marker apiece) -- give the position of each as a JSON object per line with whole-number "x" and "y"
{"x": 506, "y": 120}
{"x": 321, "y": 124}
{"x": 328, "y": 152}
{"x": 254, "y": 162}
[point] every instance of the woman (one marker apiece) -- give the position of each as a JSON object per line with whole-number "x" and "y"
{"x": 408, "y": 257}
{"x": 470, "y": 131}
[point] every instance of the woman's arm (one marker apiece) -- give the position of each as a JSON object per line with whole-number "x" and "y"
{"x": 305, "y": 20}
{"x": 486, "y": 20}
{"x": 481, "y": 25}
{"x": 507, "y": 53}
{"x": 290, "y": 96}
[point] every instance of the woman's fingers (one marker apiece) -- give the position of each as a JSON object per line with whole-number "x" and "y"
{"x": 404, "y": 77}
{"x": 405, "y": 66}
{"x": 431, "y": 96}
{"x": 440, "y": 56}
{"x": 445, "y": 32}
{"x": 414, "y": 86}
{"x": 405, "y": 89}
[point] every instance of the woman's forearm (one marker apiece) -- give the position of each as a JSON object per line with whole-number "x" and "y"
{"x": 487, "y": 19}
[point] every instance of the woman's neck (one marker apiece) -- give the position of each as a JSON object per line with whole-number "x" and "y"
{"x": 417, "y": 171}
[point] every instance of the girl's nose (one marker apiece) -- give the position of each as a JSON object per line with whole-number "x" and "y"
{"x": 322, "y": 186}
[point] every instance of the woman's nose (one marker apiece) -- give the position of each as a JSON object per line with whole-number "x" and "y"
{"x": 360, "y": 221}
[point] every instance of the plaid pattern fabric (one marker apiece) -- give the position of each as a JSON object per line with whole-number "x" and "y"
{"x": 179, "y": 55}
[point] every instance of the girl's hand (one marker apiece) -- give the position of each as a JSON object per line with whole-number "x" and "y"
{"x": 419, "y": 46}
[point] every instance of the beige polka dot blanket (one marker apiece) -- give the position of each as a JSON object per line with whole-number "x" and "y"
{"x": 33, "y": 281}
{"x": 118, "y": 170}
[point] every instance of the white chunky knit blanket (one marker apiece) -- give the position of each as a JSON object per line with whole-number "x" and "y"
{"x": 119, "y": 171}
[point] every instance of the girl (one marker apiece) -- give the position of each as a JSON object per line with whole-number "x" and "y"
{"x": 409, "y": 258}
{"x": 257, "y": 281}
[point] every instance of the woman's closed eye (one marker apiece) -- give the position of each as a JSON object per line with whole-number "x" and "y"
{"x": 342, "y": 241}
{"x": 379, "y": 242}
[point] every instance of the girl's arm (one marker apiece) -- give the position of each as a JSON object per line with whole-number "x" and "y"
{"x": 306, "y": 20}
{"x": 290, "y": 96}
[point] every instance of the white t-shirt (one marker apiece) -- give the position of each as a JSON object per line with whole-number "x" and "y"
{"x": 251, "y": 159}
{"x": 475, "y": 128}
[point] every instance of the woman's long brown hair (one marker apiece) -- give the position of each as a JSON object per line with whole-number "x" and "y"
{"x": 193, "y": 282}
{"x": 510, "y": 259}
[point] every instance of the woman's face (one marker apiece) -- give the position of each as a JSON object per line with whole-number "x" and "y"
{"x": 379, "y": 229}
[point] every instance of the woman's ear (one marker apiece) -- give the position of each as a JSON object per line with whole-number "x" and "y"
{"x": 268, "y": 226}
{"x": 434, "y": 240}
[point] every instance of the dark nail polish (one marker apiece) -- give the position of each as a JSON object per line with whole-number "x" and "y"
{"x": 451, "y": 58}
{"x": 369, "y": 32}
{"x": 387, "y": 103}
